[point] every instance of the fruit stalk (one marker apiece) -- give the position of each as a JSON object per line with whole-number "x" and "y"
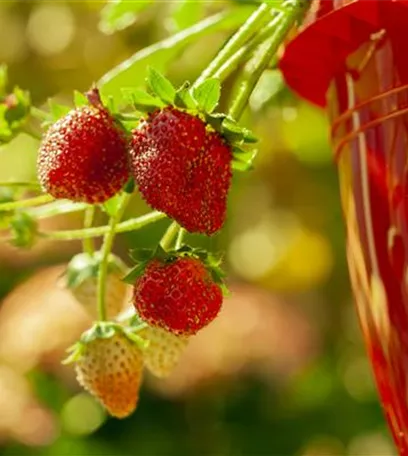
{"x": 169, "y": 236}
{"x": 236, "y": 42}
{"x": 292, "y": 11}
{"x": 36, "y": 201}
{"x": 105, "y": 251}
{"x": 87, "y": 243}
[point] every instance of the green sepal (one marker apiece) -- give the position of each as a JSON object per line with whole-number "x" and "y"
{"x": 234, "y": 133}
{"x": 24, "y": 230}
{"x": 130, "y": 186}
{"x": 134, "y": 273}
{"x": 141, "y": 100}
{"x": 207, "y": 94}
{"x": 141, "y": 255}
{"x": 14, "y": 112}
{"x": 160, "y": 86}
{"x": 80, "y": 99}
{"x": 112, "y": 205}
{"x": 215, "y": 120}
{"x": 57, "y": 111}
{"x": 84, "y": 266}
{"x": 243, "y": 159}
{"x": 184, "y": 99}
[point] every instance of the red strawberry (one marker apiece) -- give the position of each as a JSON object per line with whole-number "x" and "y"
{"x": 183, "y": 168}
{"x": 83, "y": 156}
{"x": 179, "y": 296}
{"x": 111, "y": 370}
{"x": 163, "y": 352}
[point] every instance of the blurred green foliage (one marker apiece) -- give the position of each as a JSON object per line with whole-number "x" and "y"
{"x": 284, "y": 238}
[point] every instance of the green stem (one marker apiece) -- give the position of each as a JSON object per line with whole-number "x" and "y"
{"x": 36, "y": 201}
{"x": 32, "y": 185}
{"x": 88, "y": 243}
{"x": 128, "y": 225}
{"x": 232, "y": 63}
{"x": 245, "y": 32}
{"x": 169, "y": 236}
{"x": 291, "y": 12}
{"x": 180, "y": 238}
{"x": 57, "y": 208}
{"x": 105, "y": 252}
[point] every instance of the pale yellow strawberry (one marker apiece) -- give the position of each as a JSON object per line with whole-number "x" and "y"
{"x": 111, "y": 370}
{"x": 163, "y": 351}
{"x": 116, "y": 292}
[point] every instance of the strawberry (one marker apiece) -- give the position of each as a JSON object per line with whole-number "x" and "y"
{"x": 178, "y": 293}
{"x": 83, "y": 156}
{"x": 182, "y": 167}
{"x": 81, "y": 278}
{"x": 109, "y": 366}
{"x": 163, "y": 352}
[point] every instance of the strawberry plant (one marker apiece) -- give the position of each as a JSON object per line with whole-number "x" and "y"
{"x": 178, "y": 149}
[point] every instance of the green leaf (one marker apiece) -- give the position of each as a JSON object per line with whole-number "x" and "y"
{"x": 215, "y": 120}
{"x": 80, "y": 99}
{"x": 184, "y": 99}
{"x": 161, "y": 54}
{"x": 142, "y": 100}
{"x": 119, "y": 14}
{"x": 207, "y": 94}
{"x": 235, "y": 133}
{"x": 81, "y": 268}
{"x": 160, "y": 86}
{"x": 57, "y": 110}
{"x": 186, "y": 13}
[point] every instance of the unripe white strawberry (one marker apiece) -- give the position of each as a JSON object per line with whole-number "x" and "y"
{"x": 163, "y": 352}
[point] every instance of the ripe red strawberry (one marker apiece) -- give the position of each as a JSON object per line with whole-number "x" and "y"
{"x": 83, "y": 156}
{"x": 111, "y": 370}
{"x": 179, "y": 296}
{"x": 183, "y": 168}
{"x": 163, "y": 352}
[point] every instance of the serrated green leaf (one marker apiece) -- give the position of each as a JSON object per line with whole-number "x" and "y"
{"x": 80, "y": 99}
{"x": 184, "y": 99}
{"x": 207, "y": 94}
{"x": 142, "y": 100}
{"x": 58, "y": 110}
{"x": 119, "y": 14}
{"x": 161, "y": 54}
{"x": 160, "y": 86}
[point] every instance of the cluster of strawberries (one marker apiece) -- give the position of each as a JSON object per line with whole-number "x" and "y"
{"x": 180, "y": 157}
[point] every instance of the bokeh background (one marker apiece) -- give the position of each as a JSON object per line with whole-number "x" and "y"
{"x": 283, "y": 370}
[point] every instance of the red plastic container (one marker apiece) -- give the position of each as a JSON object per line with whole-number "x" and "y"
{"x": 365, "y": 85}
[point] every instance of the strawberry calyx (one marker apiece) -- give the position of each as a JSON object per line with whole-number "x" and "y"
{"x": 84, "y": 266}
{"x": 143, "y": 257}
{"x": 199, "y": 101}
{"x": 105, "y": 330}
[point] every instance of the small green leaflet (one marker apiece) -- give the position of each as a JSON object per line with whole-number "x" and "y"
{"x": 160, "y": 86}
{"x": 111, "y": 206}
{"x": 119, "y": 14}
{"x": 57, "y": 110}
{"x": 184, "y": 99}
{"x": 207, "y": 94}
{"x": 243, "y": 159}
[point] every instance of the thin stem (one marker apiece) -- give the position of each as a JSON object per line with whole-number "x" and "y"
{"x": 231, "y": 64}
{"x": 253, "y": 71}
{"x": 245, "y": 32}
{"x": 57, "y": 208}
{"x": 180, "y": 237}
{"x": 169, "y": 236}
{"x": 128, "y": 225}
{"x": 105, "y": 252}
{"x": 32, "y": 185}
{"x": 36, "y": 201}
{"x": 88, "y": 245}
